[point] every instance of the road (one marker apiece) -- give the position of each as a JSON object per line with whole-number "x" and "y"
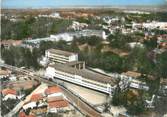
{"x": 82, "y": 105}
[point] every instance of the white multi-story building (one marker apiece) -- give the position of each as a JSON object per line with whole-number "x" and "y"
{"x": 82, "y": 77}
{"x": 61, "y": 56}
{"x": 67, "y": 36}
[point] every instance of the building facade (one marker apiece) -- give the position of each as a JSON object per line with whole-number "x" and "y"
{"x": 82, "y": 77}
{"x": 60, "y": 56}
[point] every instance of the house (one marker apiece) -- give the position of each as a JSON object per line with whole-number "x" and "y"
{"x": 78, "y": 26}
{"x": 8, "y": 91}
{"x": 22, "y": 114}
{"x": 36, "y": 97}
{"x": 9, "y": 94}
{"x": 57, "y": 105}
{"x": 53, "y": 90}
{"x": 55, "y": 99}
{"x": 30, "y": 105}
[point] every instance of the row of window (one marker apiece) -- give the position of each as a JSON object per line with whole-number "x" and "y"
{"x": 72, "y": 76}
{"x": 58, "y": 56}
{"x": 86, "y": 84}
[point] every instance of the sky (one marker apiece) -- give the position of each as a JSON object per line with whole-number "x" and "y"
{"x": 62, "y": 3}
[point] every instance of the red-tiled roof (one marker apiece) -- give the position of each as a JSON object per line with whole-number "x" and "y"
{"x": 22, "y": 114}
{"x": 55, "y": 98}
{"x": 9, "y": 91}
{"x": 30, "y": 116}
{"x": 58, "y": 104}
{"x": 36, "y": 97}
{"x": 51, "y": 90}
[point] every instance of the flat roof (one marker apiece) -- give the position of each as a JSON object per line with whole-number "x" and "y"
{"x": 132, "y": 74}
{"x": 60, "y": 52}
{"x": 85, "y": 73}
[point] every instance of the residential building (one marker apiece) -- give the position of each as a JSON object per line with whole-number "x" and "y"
{"x": 9, "y": 94}
{"x": 22, "y": 114}
{"x": 78, "y": 26}
{"x": 36, "y": 97}
{"x": 57, "y": 105}
{"x": 60, "y": 56}
{"x": 8, "y": 91}
{"x": 30, "y": 105}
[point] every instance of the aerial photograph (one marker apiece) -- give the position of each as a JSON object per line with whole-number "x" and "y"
{"x": 83, "y": 58}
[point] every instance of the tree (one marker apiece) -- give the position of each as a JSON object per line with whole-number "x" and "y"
{"x": 136, "y": 108}
{"x": 161, "y": 105}
{"x": 118, "y": 96}
{"x": 138, "y": 61}
{"x": 74, "y": 46}
{"x": 119, "y": 40}
{"x": 151, "y": 44}
{"x": 161, "y": 65}
{"x": 110, "y": 62}
{"x": 135, "y": 103}
{"x": 35, "y": 56}
{"x": 44, "y": 46}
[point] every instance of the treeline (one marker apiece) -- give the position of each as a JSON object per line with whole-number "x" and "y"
{"x": 32, "y": 27}
{"x": 19, "y": 56}
{"x": 140, "y": 18}
{"x": 90, "y": 51}
{"x": 29, "y": 58}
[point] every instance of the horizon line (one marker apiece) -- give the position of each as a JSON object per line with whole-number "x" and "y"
{"x": 84, "y": 6}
